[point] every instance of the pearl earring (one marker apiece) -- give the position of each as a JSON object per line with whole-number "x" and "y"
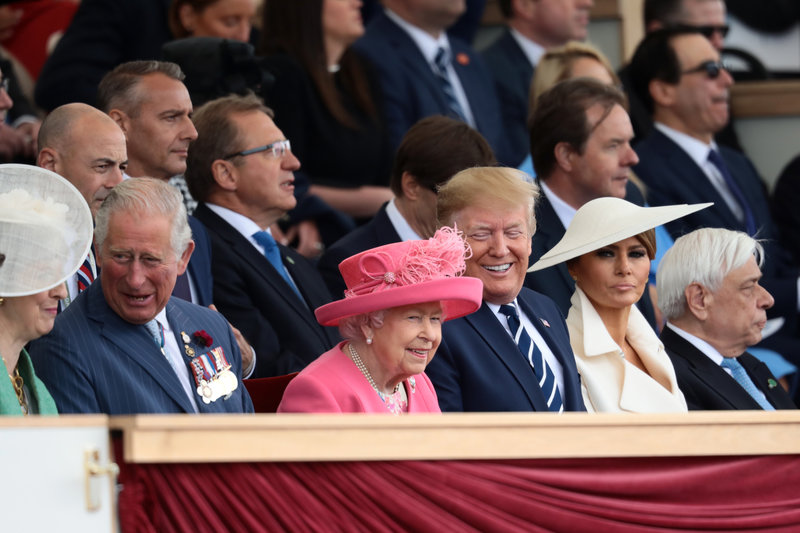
{"x": 369, "y": 340}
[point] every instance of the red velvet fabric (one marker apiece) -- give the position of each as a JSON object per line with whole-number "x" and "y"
{"x": 266, "y": 393}
{"x": 629, "y": 494}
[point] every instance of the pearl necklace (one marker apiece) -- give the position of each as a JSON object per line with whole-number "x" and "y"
{"x": 363, "y": 368}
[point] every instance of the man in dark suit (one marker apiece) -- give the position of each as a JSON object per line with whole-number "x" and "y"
{"x": 149, "y": 101}
{"x": 240, "y": 170}
{"x": 709, "y": 291}
{"x": 580, "y": 139}
{"x": 432, "y": 151}
{"x": 85, "y": 146}
{"x": 424, "y": 72}
{"x": 479, "y": 365}
{"x": 533, "y": 28}
{"x": 677, "y": 74}
{"x": 126, "y": 346}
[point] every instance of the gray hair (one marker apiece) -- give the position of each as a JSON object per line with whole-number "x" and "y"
{"x": 146, "y": 196}
{"x": 350, "y": 327}
{"x": 705, "y": 256}
{"x": 118, "y": 88}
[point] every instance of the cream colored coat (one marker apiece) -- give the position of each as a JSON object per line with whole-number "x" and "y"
{"x": 610, "y": 383}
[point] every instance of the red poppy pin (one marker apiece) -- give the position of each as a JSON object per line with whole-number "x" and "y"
{"x": 202, "y": 338}
{"x": 462, "y": 59}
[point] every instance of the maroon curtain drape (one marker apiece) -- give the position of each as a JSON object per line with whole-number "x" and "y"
{"x": 627, "y": 494}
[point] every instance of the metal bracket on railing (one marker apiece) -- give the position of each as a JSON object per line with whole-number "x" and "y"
{"x": 91, "y": 469}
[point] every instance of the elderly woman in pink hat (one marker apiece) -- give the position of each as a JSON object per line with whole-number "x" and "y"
{"x": 397, "y": 297}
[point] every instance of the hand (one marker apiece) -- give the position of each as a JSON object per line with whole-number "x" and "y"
{"x": 309, "y": 242}
{"x": 30, "y": 131}
{"x": 12, "y": 142}
{"x": 244, "y": 346}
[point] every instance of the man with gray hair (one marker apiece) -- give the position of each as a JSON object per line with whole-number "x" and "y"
{"x": 126, "y": 346}
{"x": 709, "y": 292}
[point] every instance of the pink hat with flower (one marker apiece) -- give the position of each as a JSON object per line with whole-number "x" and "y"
{"x": 406, "y": 273}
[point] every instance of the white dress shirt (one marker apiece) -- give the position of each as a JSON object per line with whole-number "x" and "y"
{"x": 400, "y": 224}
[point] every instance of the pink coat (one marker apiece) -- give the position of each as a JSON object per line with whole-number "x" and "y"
{"x": 333, "y": 384}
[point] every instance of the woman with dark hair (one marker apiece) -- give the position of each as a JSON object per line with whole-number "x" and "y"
{"x": 228, "y": 19}
{"x": 326, "y": 102}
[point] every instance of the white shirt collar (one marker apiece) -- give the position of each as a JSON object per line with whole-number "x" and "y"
{"x": 400, "y": 224}
{"x": 698, "y": 343}
{"x": 696, "y": 149}
{"x": 533, "y": 51}
{"x": 240, "y": 223}
{"x": 564, "y": 211}
{"x": 426, "y": 44}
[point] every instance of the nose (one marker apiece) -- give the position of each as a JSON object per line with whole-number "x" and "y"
{"x": 717, "y": 41}
{"x": 432, "y": 330}
{"x": 6, "y": 102}
{"x": 190, "y": 132}
{"x": 499, "y": 246}
{"x": 114, "y": 178}
{"x": 242, "y": 32}
{"x": 290, "y": 161}
{"x": 725, "y": 78}
{"x": 59, "y": 292}
{"x": 135, "y": 276}
{"x": 765, "y": 300}
{"x": 623, "y": 264}
{"x": 630, "y": 158}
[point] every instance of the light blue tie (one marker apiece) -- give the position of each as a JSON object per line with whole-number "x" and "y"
{"x": 157, "y": 332}
{"x": 442, "y": 60}
{"x": 740, "y": 375}
{"x": 273, "y": 255}
{"x": 547, "y": 380}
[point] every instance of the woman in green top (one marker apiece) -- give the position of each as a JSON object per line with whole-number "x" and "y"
{"x": 45, "y": 236}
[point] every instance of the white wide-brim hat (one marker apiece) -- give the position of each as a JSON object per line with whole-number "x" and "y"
{"x": 45, "y": 229}
{"x": 607, "y": 220}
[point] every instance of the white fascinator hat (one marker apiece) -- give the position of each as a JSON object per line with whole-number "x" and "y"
{"x": 45, "y": 229}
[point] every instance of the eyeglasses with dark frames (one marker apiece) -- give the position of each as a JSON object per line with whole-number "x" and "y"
{"x": 707, "y": 30}
{"x": 712, "y": 69}
{"x": 277, "y": 150}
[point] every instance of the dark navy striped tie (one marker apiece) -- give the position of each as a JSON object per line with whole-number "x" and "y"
{"x": 85, "y": 274}
{"x": 442, "y": 60}
{"x": 547, "y": 380}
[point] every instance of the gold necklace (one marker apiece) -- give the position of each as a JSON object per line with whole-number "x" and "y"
{"x": 17, "y": 382}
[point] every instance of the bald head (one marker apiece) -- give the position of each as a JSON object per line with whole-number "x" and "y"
{"x": 85, "y": 146}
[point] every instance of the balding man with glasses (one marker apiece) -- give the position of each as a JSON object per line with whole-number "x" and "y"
{"x": 678, "y": 74}
{"x": 240, "y": 170}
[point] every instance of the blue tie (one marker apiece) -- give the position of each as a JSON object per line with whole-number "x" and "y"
{"x": 273, "y": 255}
{"x": 547, "y": 381}
{"x": 749, "y": 219}
{"x": 740, "y": 375}
{"x": 442, "y": 60}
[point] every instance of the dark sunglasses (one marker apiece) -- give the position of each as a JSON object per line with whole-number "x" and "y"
{"x": 712, "y": 69}
{"x": 708, "y": 30}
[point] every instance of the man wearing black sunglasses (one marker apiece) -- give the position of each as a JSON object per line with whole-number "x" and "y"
{"x": 677, "y": 73}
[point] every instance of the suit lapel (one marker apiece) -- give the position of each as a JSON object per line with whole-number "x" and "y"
{"x": 134, "y": 342}
{"x": 486, "y": 325}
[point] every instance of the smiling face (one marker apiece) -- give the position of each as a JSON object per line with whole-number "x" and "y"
{"x": 160, "y": 132}
{"x": 699, "y": 103}
{"x": 227, "y": 19}
{"x": 737, "y": 311}
{"x": 264, "y": 182}
{"x": 604, "y": 166}
{"x": 501, "y": 244}
{"x": 27, "y": 318}
{"x": 615, "y": 276}
{"x": 406, "y": 342}
{"x": 138, "y": 267}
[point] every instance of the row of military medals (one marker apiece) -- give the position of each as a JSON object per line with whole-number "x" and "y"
{"x": 212, "y": 372}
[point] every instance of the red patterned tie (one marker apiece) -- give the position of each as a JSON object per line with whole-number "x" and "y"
{"x": 85, "y": 275}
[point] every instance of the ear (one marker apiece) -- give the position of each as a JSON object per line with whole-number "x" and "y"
{"x": 225, "y": 174}
{"x": 122, "y": 119}
{"x": 367, "y": 331}
{"x": 48, "y": 158}
{"x": 662, "y": 93}
{"x": 183, "y": 261}
{"x": 698, "y": 300}
{"x": 186, "y": 17}
{"x": 563, "y": 153}
{"x": 410, "y": 185}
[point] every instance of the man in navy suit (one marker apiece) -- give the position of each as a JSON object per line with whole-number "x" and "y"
{"x": 126, "y": 346}
{"x": 432, "y": 151}
{"x": 424, "y": 72}
{"x": 241, "y": 171}
{"x": 709, "y": 291}
{"x": 479, "y": 365}
{"x": 580, "y": 143}
{"x": 678, "y": 74}
{"x": 534, "y": 26}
